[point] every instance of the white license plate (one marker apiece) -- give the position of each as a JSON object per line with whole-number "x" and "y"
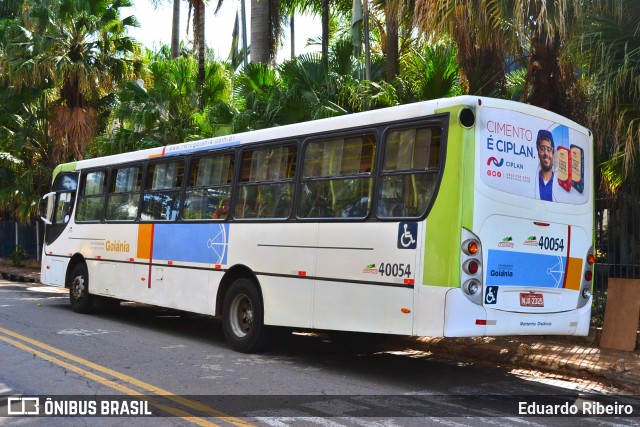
{"x": 531, "y": 300}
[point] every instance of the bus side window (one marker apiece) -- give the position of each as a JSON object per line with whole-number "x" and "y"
{"x": 208, "y": 194}
{"x": 410, "y": 171}
{"x": 266, "y": 183}
{"x": 161, "y": 198}
{"x": 92, "y": 196}
{"x": 124, "y": 193}
{"x": 336, "y": 179}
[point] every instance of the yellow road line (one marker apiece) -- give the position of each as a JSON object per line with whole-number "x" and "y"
{"x": 131, "y": 380}
{"x": 110, "y": 384}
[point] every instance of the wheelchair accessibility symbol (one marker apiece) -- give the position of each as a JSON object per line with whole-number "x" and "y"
{"x": 491, "y": 297}
{"x": 407, "y": 235}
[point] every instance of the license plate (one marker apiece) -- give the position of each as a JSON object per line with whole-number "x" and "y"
{"x": 531, "y": 300}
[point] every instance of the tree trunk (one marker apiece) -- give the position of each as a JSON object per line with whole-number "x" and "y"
{"x": 543, "y": 86}
{"x": 292, "y": 35}
{"x": 392, "y": 25}
{"x": 200, "y": 43}
{"x": 175, "y": 30}
{"x": 325, "y": 34}
{"x": 260, "y": 31}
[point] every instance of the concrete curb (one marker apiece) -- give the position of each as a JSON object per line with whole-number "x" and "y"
{"x": 551, "y": 355}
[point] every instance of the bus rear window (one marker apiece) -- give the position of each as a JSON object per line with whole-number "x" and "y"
{"x": 410, "y": 172}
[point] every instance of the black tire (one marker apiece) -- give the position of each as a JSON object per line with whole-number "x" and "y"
{"x": 79, "y": 297}
{"x": 243, "y": 317}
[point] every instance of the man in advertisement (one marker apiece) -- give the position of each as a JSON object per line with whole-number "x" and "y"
{"x": 545, "y": 146}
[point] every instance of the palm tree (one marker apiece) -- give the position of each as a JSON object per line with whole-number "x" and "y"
{"x": 26, "y": 152}
{"x": 429, "y": 72}
{"x": 321, "y": 8}
{"x": 199, "y": 44}
{"x": 535, "y": 33}
{"x": 477, "y": 29}
{"x": 612, "y": 40}
{"x": 83, "y": 51}
{"x": 325, "y": 34}
{"x": 266, "y": 25}
{"x": 10, "y": 9}
{"x": 397, "y": 14}
{"x": 168, "y": 110}
{"x": 175, "y": 25}
{"x": 175, "y": 29}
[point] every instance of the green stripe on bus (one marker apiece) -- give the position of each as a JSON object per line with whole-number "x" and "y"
{"x": 453, "y": 208}
{"x": 64, "y": 168}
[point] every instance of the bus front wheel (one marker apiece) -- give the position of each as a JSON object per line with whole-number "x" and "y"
{"x": 81, "y": 300}
{"x": 243, "y": 317}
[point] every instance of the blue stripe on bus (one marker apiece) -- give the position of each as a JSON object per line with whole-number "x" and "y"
{"x": 510, "y": 268}
{"x": 202, "y": 243}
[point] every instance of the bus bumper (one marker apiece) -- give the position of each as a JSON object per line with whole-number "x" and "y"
{"x": 466, "y": 319}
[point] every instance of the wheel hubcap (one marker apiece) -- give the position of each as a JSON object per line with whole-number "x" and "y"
{"x": 241, "y": 315}
{"x": 78, "y": 288}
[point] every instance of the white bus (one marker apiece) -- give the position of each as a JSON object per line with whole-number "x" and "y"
{"x": 456, "y": 217}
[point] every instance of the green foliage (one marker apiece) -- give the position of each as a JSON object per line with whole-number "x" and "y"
{"x": 430, "y": 73}
{"x": 17, "y": 256}
{"x": 514, "y": 85}
{"x": 611, "y": 39}
{"x": 60, "y": 62}
{"x": 167, "y": 111}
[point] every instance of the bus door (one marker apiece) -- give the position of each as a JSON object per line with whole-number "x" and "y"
{"x": 56, "y": 211}
{"x": 57, "y": 206}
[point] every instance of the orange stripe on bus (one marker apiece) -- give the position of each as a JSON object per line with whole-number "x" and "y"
{"x": 145, "y": 238}
{"x": 574, "y": 274}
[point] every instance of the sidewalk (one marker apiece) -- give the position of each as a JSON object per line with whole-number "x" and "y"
{"x": 576, "y": 357}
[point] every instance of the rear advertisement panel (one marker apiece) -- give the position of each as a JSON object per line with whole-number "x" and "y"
{"x": 533, "y": 157}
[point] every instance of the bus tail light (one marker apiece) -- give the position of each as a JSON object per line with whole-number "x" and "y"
{"x": 585, "y": 289}
{"x": 471, "y": 287}
{"x": 471, "y": 247}
{"x": 471, "y": 267}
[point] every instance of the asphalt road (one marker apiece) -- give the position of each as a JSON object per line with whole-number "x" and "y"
{"x": 177, "y": 366}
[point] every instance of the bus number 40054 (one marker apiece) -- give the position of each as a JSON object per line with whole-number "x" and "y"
{"x": 551, "y": 243}
{"x": 395, "y": 270}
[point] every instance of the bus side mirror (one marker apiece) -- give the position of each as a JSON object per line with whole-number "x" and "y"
{"x": 45, "y": 208}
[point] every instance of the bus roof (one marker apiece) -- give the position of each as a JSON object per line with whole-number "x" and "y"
{"x": 356, "y": 120}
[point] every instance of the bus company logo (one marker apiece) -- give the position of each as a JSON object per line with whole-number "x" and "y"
{"x": 370, "y": 269}
{"x": 513, "y": 165}
{"x": 495, "y": 162}
{"x": 116, "y": 246}
{"x": 506, "y": 242}
{"x": 531, "y": 241}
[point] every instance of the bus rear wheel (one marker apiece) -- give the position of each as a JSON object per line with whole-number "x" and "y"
{"x": 79, "y": 297}
{"x": 243, "y": 317}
